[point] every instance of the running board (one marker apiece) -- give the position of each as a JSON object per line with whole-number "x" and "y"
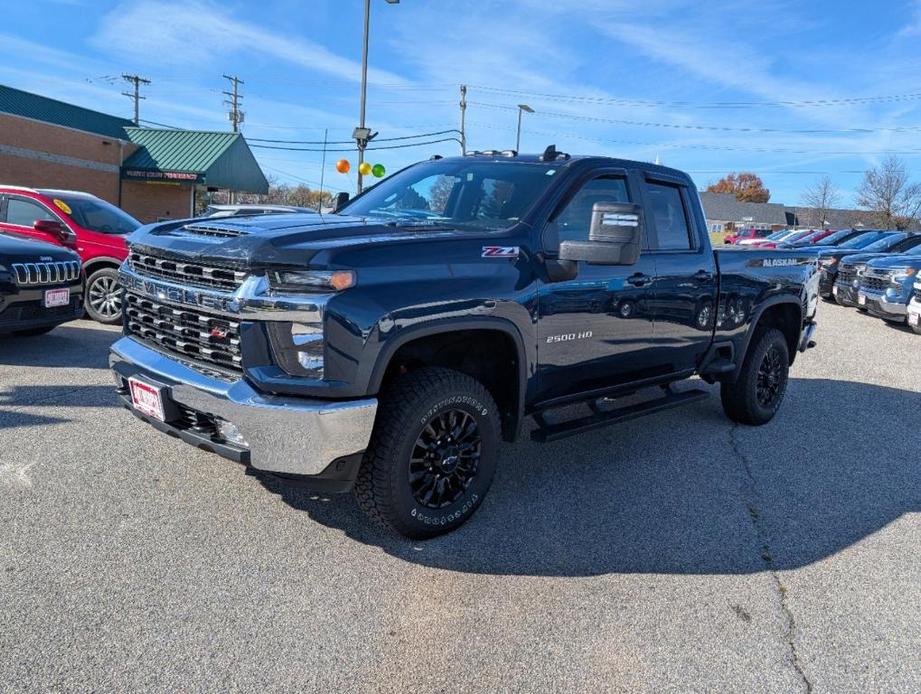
{"x": 600, "y": 418}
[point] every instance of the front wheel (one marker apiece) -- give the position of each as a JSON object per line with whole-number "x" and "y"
{"x": 432, "y": 453}
{"x": 756, "y": 396}
{"x": 103, "y": 300}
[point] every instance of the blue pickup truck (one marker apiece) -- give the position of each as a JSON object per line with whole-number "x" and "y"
{"x": 388, "y": 348}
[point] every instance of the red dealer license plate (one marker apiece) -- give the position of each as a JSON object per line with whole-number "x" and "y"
{"x": 147, "y": 399}
{"x": 57, "y": 297}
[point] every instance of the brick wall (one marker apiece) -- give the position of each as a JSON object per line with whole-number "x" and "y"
{"x": 149, "y": 202}
{"x": 43, "y": 155}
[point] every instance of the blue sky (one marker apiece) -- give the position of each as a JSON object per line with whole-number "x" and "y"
{"x": 707, "y": 87}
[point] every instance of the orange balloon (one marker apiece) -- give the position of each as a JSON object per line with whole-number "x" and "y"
{"x": 343, "y": 166}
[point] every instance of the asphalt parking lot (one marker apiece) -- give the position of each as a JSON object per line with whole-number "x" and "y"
{"x": 675, "y": 552}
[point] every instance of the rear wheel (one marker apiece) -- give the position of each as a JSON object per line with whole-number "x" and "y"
{"x": 432, "y": 454}
{"x": 756, "y": 396}
{"x": 103, "y": 296}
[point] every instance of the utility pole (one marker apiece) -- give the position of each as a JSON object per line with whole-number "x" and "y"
{"x": 463, "y": 108}
{"x": 235, "y": 114}
{"x": 137, "y": 81}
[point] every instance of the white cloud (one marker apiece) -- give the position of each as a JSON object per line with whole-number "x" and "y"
{"x": 154, "y": 32}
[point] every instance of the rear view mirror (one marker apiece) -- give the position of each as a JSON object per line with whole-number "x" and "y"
{"x": 57, "y": 230}
{"x": 614, "y": 237}
{"x": 340, "y": 201}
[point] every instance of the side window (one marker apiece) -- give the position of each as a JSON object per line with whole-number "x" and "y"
{"x": 24, "y": 213}
{"x": 666, "y": 211}
{"x": 574, "y": 221}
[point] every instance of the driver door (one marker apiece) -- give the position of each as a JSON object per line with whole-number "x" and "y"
{"x": 594, "y": 331}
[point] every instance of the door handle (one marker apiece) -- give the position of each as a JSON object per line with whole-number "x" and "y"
{"x": 703, "y": 276}
{"x": 639, "y": 280}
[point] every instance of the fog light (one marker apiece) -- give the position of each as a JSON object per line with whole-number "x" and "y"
{"x": 230, "y": 433}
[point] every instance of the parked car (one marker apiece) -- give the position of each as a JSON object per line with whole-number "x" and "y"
{"x": 388, "y": 348}
{"x": 41, "y": 286}
{"x": 869, "y": 242}
{"x": 796, "y": 235}
{"x": 849, "y": 269}
{"x": 776, "y": 236}
{"x": 914, "y": 306}
{"x": 238, "y": 210}
{"x": 746, "y": 234}
{"x": 838, "y": 237}
{"x": 812, "y": 238}
{"x": 886, "y": 286}
{"x": 93, "y": 227}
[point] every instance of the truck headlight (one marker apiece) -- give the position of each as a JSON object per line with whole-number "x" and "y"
{"x": 301, "y": 281}
{"x": 828, "y": 262}
{"x": 899, "y": 275}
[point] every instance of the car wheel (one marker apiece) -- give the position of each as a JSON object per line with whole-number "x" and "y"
{"x": 756, "y": 396}
{"x": 432, "y": 453}
{"x": 103, "y": 296}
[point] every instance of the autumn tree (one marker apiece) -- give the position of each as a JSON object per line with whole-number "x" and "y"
{"x": 819, "y": 199}
{"x": 887, "y": 193}
{"x": 746, "y": 186}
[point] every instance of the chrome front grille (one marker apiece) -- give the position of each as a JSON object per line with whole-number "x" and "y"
{"x": 186, "y": 273}
{"x": 187, "y": 332}
{"x": 53, "y": 272}
{"x": 917, "y": 294}
{"x": 846, "y": 275}
{"x": 874, "y": 284}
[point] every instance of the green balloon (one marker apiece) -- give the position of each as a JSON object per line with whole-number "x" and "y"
{"x": 378, "y": 170}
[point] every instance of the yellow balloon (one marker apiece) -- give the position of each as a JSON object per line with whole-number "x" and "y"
{"x": 364, "y": 168}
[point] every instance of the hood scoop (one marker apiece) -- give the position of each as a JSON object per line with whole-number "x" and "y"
{"x": 215, "y": 231}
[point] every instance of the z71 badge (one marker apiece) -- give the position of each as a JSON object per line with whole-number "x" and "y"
{"x": 500, "y": 251}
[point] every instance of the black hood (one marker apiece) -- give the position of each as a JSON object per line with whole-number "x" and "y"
{"x": 280, "y": 239}
{"x": 16, "y": 249}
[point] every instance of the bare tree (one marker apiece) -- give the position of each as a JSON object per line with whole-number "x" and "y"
{"x": 820, "y": 197}
{"x": 887, "y": 192}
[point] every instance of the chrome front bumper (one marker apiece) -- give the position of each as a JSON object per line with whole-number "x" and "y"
{"x": 296, "y": 436}
{"x": 884, "y": 305}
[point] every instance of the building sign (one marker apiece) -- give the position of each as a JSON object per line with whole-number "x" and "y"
{"x": 162, "y": 176}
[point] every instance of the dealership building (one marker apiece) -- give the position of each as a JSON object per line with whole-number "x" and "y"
{"x": 151, "y": 173}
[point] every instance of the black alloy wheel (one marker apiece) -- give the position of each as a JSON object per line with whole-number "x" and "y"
{"x": 770, "y": 376}
{"x": 444, "y": 459}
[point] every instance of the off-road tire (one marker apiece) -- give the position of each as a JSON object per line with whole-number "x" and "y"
{"x": 740, "y": 399}
{"x": 382, "y": 488}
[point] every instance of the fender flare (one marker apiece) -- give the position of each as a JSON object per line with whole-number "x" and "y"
{"x": 448, "y": 325}
{"x": 756, "y": 318}
{"x": 90, "y": 265}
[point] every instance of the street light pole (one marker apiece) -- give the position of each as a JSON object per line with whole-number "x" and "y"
{"x": 521, "y": 109}
{"x": 361, "y": 133}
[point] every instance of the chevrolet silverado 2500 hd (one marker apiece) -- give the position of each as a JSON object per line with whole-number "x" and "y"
{"x": 389, "y": 347}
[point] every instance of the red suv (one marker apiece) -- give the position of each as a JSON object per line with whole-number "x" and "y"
{"x": 92, "y": 227}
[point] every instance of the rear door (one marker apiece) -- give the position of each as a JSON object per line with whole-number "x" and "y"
{"x": 595, "y": 330}
{"x": 684, "y": 293}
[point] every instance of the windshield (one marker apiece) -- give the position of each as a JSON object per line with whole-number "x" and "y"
{"x": 864, "y": 240}
{"x": 884, "y": 243}
{"x": 95, "y": 214}
{"x": 472, "y": 194}
{"x": 832, "y": 239}
{"x": 777, "y": 235}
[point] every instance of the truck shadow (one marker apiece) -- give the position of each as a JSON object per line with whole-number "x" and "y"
{"x": 80, "y": 344}
{"x": 684, "y": 491}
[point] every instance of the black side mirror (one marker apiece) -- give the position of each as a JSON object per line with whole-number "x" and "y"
{"x": 614, "y": 237}
{"x": 340, "y": 201}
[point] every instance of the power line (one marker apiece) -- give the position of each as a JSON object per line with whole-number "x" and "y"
{"x": 348, "y": 142}
{"x": 709, "y": 128}
{"x": 137, "y": 81}
{"x": 352, "y": 149}
{"x": 846, "y": 101}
